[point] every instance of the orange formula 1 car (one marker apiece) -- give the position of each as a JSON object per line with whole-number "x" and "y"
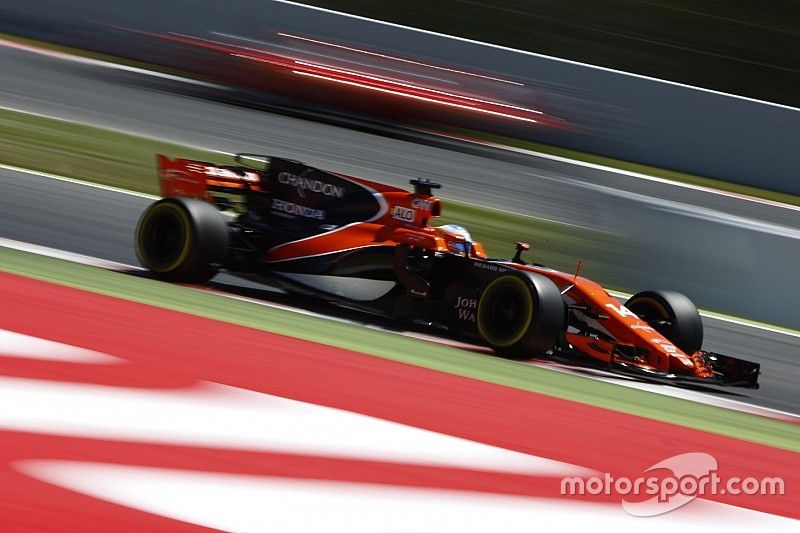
{"x": 369, "y": 246}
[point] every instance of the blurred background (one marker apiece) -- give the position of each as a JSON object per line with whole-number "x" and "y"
{"x": 735, "y": 47}
{"x": 548, "y": 113}
{"x": 738, "y": 46}
{"x": 653, "y": 142}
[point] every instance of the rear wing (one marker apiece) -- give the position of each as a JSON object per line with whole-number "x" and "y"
{"x": 194, "y": 179}
{"x": 298, "y": 191}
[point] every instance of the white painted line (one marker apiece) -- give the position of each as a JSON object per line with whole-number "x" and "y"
{"x": 622, "y": 172}
{"x": 666, "y": 390}
{"x": 726, "y": 318}
{"x": 67, "y": 256}
{"x": 438, "y": 340}
{"x": 750, "y": 323}
{"x": 541, "y": 219}
{"x": 13, "y": 344}
{"x": 79, "y": 182}
{"x": 105, "y": 127}
{"x": 238, "y": 502}
{"x": 534, "y": 54}
{"x": 103, "y": 64}
{"x": 684, "y": 209}
{"x": 211, "y": 414}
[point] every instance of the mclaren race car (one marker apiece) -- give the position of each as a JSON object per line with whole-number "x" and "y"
{"x": 370, "y": 246}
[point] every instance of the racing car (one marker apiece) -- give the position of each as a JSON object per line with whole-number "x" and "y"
{"x": 373, "y": 247}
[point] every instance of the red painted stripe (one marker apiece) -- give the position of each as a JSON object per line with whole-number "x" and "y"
{"x": 170, "y": 349}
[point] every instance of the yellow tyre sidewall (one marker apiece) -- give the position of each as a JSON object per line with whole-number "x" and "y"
{"x": 654, "y": 304}
{"x": 186, "y": 224}
{"x": 529, "y": 314}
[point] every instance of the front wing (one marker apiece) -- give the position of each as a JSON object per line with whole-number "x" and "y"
{"x": 728, "y": 371}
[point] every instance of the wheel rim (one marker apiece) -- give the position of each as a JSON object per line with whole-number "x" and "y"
{"x": 505, "y": 312}
{"x": 652, "y": 311}
{"x": 165, "y": 238}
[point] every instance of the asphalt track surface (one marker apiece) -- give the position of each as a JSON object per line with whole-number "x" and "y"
{"x": 99, "y": 223}
{"x": 734, "y": 243}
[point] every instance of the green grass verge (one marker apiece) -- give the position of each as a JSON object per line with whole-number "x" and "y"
{"x": 407, "y": 350}
{"x": 86, "y": 152}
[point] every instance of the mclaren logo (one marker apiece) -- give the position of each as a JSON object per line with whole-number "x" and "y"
{"x": 303, "y": 184}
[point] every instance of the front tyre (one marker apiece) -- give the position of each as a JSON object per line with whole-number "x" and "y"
{"x": 182, "y": 239}
{"x": 673, "y": 315}
{"x": 521, "y": 315}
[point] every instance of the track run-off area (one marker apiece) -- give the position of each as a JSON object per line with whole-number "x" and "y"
{"x": 739, "y": 241}
{"x": 135, "y": 416}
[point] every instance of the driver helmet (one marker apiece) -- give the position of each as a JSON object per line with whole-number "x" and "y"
{"x": 457, "y": 238}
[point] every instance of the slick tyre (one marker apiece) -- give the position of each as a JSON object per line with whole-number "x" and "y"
{"x": 673, "y": 315}
{"x": 182, "y": 239}
{"x": 521, "y": 315}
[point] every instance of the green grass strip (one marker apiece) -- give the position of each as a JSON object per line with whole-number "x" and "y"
{"x": 407, "y": 350}
{"x": 87, "y": 152}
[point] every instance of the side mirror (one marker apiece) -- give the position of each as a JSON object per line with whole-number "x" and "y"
{"x": 521, "y": 247}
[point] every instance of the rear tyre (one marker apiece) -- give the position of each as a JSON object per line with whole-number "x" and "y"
{"x": 521, "y": 315}
{"x": 182, "y": 239}
{"x": 673, "y": 315}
